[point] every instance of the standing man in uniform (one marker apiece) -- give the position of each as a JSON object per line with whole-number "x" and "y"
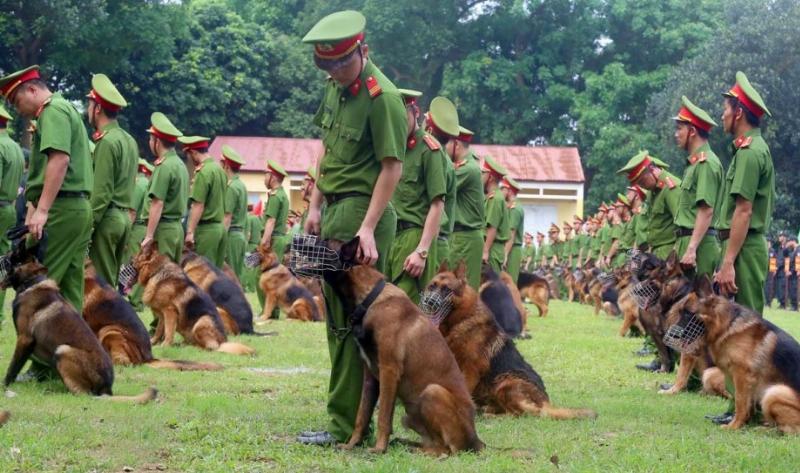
{"x": 59, "y": 179}
{"x": 255, "y": 228}
{"x": 496, "y": 215}
{"x": 235, "y": 219}
{"x": 168, "y": 194}
{"x": 275, "y": 218}
{"x": 748, "y": 200}
{"x": 204, "y": 227}
{"x": 539, "y": 255}
{"x": 116, "y": 158}
{"x": 528, "y": 253}
{"x": 448, "y": 219}
{"x": 419, "y": 197}
{"x": 364, "y": 132}
{"x": 139, "y": 225}
{"x": 466, "y": 242}
{"x": 516, "y": 225}
{"x": 12, "y": 164}
{"x": 701, "y": 192}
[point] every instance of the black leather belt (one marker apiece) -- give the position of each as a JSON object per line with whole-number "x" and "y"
{"x": 237, "y": 228}
{"x": 333, "y": 198}
{"x": 207, "y": 222}
{"x": 169, "y": 219}
{"x": 682, "y": 232}
{"x": 520, "y": 245}
{"x": 140, "y": 222}
{"x": 463, "y": 228}
{"x": 441, "y": 237}
{"x": 725, "y": 234}
{"x": 72, "y": 195}
{"x": 402, "y": 225}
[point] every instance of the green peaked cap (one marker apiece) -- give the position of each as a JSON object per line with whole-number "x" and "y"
{"x": 512, "y": 183}
{"x": 161, "y": 123}
{"x": 752, "y": 94}
{"x": 336, "y": 27}
{"x": 445, "y": 116}
{"x": 637, "y": 160}
{"x": 4, "y": 113}
{"x": 10, "y": 82}
{"x": 411, "y": 93}
{"x": 276, "y": 168}
{"x": 143, "y": 163}
{"x": 232, "y": 155}
{"x": 623, "y": 199}
{"x": 491, "y": 164}
{"x": 696, "y": 111}
{"x": 190, "y": 140}
{"x": 102, "y": 86}
{"x": 312, "y": 173}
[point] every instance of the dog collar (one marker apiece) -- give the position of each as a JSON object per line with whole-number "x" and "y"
{"x": 357, "y": 317}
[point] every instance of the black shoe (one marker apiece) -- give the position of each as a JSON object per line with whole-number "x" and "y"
{"x": 721, "y": 419}
{"x": 322, "y": 439}
{"x": 665, "y": 386}
{"x": 311, "y": 433}
{"x": 654, "y": 365}
{"x": 644, "y": 351}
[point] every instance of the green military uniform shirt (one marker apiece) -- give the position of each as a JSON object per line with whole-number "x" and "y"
{"x": 255, "y": 228}
{"x": 139, "y": 193}
{"x": 628, "y": 238}
{"x": 497, "y": 215}
{"x": 236, "y": 202}
{"x": 357, "y": 137}
{"x": 116, "y": 158}
{"x": 662, "y": 211}
{"x": 594, "y": 246}
{"x": 449, "y": 217}
{"x": 209, "y": 187}
{"x": 641, "y": 225}
{"x": 12, "y": 163}
{"x": 547, "y": 252}
{"x": 277, "y": 208}
{"x": 60, "y": 127}
{"x": 423, "y": 179}
{"x": 469, "y": 194}
{"x": 604, "y": 235}
{"x": 702, "y": 183}
{"x": 516, "y": 222}
{"x": 169, "y": 184}
{"x": 752, "y": 176}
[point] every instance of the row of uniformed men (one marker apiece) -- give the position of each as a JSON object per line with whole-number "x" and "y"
{"x": 715, "y": 221}
{"x": 84, "y": 193}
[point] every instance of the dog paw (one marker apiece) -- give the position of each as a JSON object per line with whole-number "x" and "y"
{"x": 346, "y": 446}
{"x": 731, "y": 426}
{"x": 376, "y": 449}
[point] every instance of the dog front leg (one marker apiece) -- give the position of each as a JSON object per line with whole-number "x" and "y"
{"x": 684, "y": 370}
{"x": 389, "y": 378}
{"x": 159, "y": 333}
{"x": 369, "y": 396}
{"x": 22, "y": 352}
{"x": 269, "y": 305}
{"x": 170, "y": 325}
{"x": 743, "y": 400}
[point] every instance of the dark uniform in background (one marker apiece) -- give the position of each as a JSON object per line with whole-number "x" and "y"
{"x": 12, "y": 165}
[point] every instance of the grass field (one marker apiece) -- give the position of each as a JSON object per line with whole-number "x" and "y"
{"x": 246, "y": 417}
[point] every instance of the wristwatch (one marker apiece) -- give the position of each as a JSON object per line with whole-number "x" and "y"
{"x": 422, "y": 253}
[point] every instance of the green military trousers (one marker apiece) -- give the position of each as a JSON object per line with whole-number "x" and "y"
{"x": 405, "y": 243}
{"x": 209, "y": 241}
{"x": 497, "y": 253}
{"x": 442, "y": 251}
{"x": 708, "y": 253}
{"x": 513, "y": 262}
{"x": 138, "y": 231}
{"x": 69, "y": 227}
{"x": 467, "y": 246}
{"x": 251, "y": 275}
{"x": 169, "y": 236}
{"x": 8, "y": 217}
{"x": 235, "y": 252}
{"x": 109, "y": 244}
{"x": 279, "y": 245}
{"x": 341, "y": 220}
{"x": 751, "y": 267}
{"x": 663, "y": 251}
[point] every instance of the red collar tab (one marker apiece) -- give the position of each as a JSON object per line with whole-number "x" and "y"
{"x": 103, "y": 102}
{"x": 98, "y": 135}
{"x": 355, "y": 87}
{"x": 637, "y": 171}
{"x": 158, "y": 134}
{"x": 340, "y": 49}
{"x": 144, "y": 170}
{"x": 737, "y": 92}
{"x": 30, "y": 75}
{"x": 668, "y": 182}
{"x": 742, "y": 141}
{"x": 431, "y": 142}
{"x": 686, "y": 115}
{"x": 373, "y": 87}
{"x": 411, "y": 142}
{"x": 698, "y": 158}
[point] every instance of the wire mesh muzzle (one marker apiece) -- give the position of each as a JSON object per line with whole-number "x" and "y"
{"x": 645, "y": 293}
{"x": 252, "y": 260}
{"x": 634, "y": 261}
{"x": 436, "y": 304}
{"x": 687, "y": 335}
{"x": 606, "y": 278}
{"x": 127, "y": 277}
{"x": 309, "y": 257}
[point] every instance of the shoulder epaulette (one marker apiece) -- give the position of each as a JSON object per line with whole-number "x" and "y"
{"x": 743, "y": 141}
{"x": 98, "y": 135}
{"x": 432, "y": 143}
{"x": 698, "y": 158}
{"x": 373, "y": 87}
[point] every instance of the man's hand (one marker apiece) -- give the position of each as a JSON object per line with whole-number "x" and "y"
{"x": 485, "y": 256}
{"x": 37, "y": 222}
{"x": 505, "y": 264}
{"x": 266, "y": 241}
{"x": 726, "y": 279}
{"x": 146, "y": 241}
{"x": 689, "y": 259}
{"x": 189, "y": 238}
{"x": 367, "y": 249}
{"x": 313, "y": 219}
{"x": 414, "y": 265}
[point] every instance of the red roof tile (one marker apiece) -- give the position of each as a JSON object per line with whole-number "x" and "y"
{"x": 524, "y": 163}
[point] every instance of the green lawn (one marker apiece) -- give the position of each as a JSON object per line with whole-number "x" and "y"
{"x": 246, "y": 417}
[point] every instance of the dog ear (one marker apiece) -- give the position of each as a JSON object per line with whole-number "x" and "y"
{"x": 461, "y": 270}
{"x": 702, "y": 286}
{"x": 443, "y": 267}
{"x": 349, "y": 251}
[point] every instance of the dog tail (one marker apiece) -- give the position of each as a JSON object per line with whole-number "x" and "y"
{"x": 148, "y": 395}
{"x": 181, "y": 365}
{"x": 4, "y": 416}
{"x": 559, "y": 413}
{"x": 235, "y": 348}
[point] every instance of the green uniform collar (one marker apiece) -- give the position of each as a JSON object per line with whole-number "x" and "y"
{"x": 110, "y": 126}
{"x": 704, "y": 148}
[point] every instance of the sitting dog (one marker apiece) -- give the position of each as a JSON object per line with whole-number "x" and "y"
{"x": 227, "y": 294}
{"x": 180, "y": 305}
{"x": 517, "y": 298}
{"x": 404, "y": 356}
{"x": 495, "y": 294}
{"x": 49, "y": 328}
{"x": 534, "y": 289}
{"x": 500, "y": 380}
{"x": 120, "y": 330}
{"x": 282, "y": 288}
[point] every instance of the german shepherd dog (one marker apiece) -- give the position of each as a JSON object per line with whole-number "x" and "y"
{"x": 180, "y": 305}
{"x": 120, "y": 330}
{"x": 227, "y": 294}
{"x": 534, "y": 289}
{"x": 517, "y": 298}
{"x": 500, "y": 380}
{"x": 653, "y": 317}
{"x": 497, "y": 298}
{"x": 762, "y": 360}
{"x": 49, "y": 328}
{"x": 281, "y": 288}
{"x": 404, "y": 356}
{"x": 627, "y": 304}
